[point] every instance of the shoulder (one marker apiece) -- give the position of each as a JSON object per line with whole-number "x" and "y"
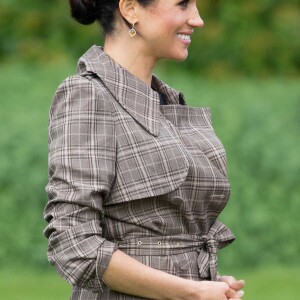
{"x": 80, "y": 86}
{"x": 81, "y": 92}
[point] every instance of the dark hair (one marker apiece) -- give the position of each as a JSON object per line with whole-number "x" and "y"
{"x": 88, "y": 11}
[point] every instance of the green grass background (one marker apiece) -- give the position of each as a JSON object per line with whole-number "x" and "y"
{"x": 258, "y": 122}
{"x": 269, "y": 282}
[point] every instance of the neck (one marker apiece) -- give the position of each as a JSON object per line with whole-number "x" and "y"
{"x": 129, "y": 54}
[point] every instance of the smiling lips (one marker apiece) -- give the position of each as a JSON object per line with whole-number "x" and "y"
{"x": 186, "y": 38}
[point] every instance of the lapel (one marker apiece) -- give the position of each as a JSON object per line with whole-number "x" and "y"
{"x": 137, "y": 98}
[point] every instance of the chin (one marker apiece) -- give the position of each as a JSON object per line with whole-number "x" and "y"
{"x": 182, "y": 54}
{"x": 182, "y": 58}
{"x": 179, "y": 56}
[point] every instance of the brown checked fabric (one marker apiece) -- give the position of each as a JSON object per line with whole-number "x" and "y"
{"x": 128, "y": 173}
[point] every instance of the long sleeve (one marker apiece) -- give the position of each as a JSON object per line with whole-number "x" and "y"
{"x": 82, "y": 157}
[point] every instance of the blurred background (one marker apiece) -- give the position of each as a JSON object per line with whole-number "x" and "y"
{"x": 244, "y": 64}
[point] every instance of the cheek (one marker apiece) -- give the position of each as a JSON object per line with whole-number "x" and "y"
{"x": 173, "y": 24}
{"x": 168, "y": 27}
{"x": 165, "y": 19}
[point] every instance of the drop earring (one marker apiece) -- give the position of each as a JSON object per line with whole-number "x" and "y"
{"x": 132, "y": 31}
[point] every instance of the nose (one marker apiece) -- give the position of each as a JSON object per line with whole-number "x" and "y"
{"x": 195, "y": 20}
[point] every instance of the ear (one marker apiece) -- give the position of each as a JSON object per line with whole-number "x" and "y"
{"x": 128, "y": 10}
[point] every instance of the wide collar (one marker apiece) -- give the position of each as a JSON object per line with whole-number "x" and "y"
{"x": 137, "y": 98}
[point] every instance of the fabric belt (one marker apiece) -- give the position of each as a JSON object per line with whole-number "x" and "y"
{"x": 219, "y": 236}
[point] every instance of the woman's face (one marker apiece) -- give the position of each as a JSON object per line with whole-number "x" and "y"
{"x": 165, "y": 28}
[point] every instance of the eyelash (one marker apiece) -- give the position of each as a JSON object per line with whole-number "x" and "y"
{"x": 184, "y": 3}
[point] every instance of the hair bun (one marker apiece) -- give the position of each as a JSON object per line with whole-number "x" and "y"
{"x": 84, "y": 11}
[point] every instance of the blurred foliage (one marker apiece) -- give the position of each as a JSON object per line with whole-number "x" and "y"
{"x": 258, "y": 122}
{"x": 257, "y": 37}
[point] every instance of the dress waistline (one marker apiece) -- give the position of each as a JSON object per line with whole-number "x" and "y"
{"x": 219, "y": 236}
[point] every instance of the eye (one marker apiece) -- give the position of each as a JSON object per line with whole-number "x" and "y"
{"x": 184, "y": 3}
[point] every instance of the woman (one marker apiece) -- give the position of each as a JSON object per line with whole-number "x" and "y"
{"x": 137, "y": 179}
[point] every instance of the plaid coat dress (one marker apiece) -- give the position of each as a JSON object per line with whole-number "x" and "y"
{"x": 128, "y": 173}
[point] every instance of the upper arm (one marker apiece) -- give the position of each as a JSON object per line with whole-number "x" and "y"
{"x": 81, "y": 143}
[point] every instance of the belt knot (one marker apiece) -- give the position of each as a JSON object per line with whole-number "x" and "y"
{"x": 218, "y": 237}
{"x": 210, "y": 244}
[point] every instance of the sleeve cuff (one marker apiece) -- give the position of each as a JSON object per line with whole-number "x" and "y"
{"x": 104, "y": 255}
